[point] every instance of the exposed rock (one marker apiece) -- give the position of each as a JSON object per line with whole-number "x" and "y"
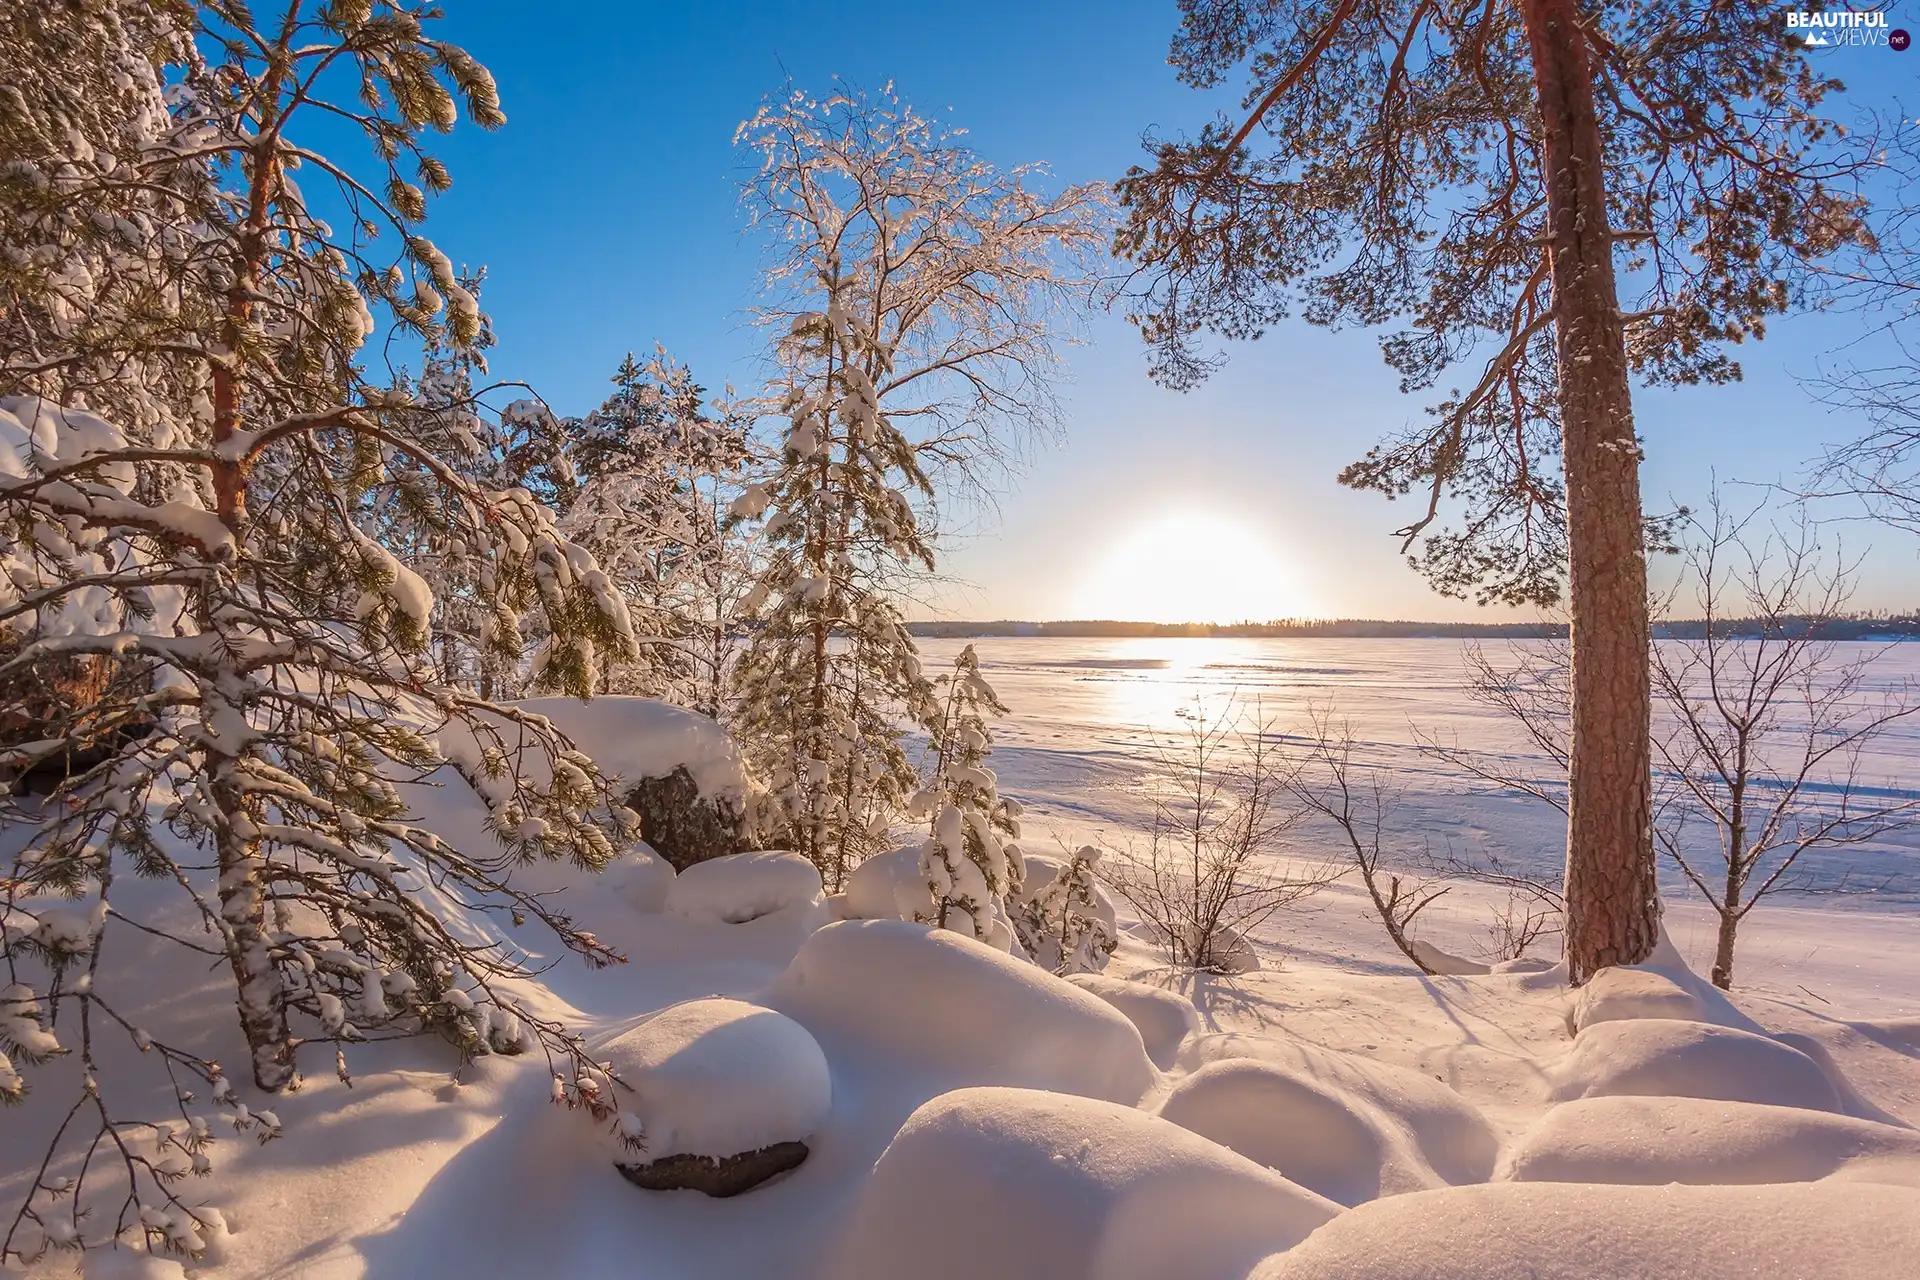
{"x": 724, "y": 1176}
{"x": 684, "y": 826}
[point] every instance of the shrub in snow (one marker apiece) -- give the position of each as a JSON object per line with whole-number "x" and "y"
{"x": 911, "y": 296}
{"x": 1062, "y": 914}
{"x": 1558, "y": 1231}
{"x": 1065, "y": 1187}
{"x": 1692, "y": 1060}
{"x": 1308, "y": 1130}
{"x": 1654, "y": 1141}
{"x": 1626, "y": 992}
{"x": 1164, "y": 1018}
{"x": 1449, "y": 1133}
{"x": 748, "y": 886}
{"x": 955, "y": 1011}
{"x": 225, "y": 544}
{"x": 715, "y": 1095}
{"x": 970, "y": 861}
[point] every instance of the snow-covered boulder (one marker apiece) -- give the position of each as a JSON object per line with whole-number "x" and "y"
{"x": 1560, "y": 1231}
{"x": 887, "y": 886}
{"x": 1661, "y": 1057}
{"x": 719, "y": 1094}
{"x": 1449, "y": 1133}
{"x": 1307, "y": 1130}
{"x": 640, "y": 878}
{"x": 680, "y": 771}
{"x": 1165, "y": 1019}
{"x": 953, "y": 1011}
{"x": 743, "y": 887}
{"x": 1654, "y": 1141}
{"x": 1009, "y": 1182}
{"x": 1630, "y": 992}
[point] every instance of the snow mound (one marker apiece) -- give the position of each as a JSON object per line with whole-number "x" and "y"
{"x": 127, "y": 1263}
{"x": 1064, "y": 1187}
{"x": 887, "y": 886}
{"x": 1445, "y": 962}
{"x": 1305, "y": 1130}
{"x": 715, "y": 1077}
{"x": 1653, "y": 1141}
{"x": 639, "y": 877}
{"x": 634, "y": 738}
{"x": 1448, "y": 1132}
{"x": 1163, "y": 1018}
{"x": 1689, "y": 1060}
{"x": 1042, "y": 870}
{"x": 1631, "y": 992}
{"x": 959, "y": 1012}
{"x": 742, "y": 887}
{"x": 1563, "y": 1231}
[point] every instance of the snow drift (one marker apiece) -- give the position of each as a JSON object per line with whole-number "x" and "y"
{"x": 1163, "y": 1018}
{"x": 1063, "y": 1187}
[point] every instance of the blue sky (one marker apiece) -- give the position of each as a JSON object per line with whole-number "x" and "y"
{"x": 606, "y": 215}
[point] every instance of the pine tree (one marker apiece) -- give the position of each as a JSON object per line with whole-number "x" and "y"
{"x": 1063, "y": 925}
{"x": 657, "y": 478}
{"x": 1497, "y": 178}
{"x": 270, "y": 672}
{"x": 971, "y": 861}
{"x": 914, "y": 297}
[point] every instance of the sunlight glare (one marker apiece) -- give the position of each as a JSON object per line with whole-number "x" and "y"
{"x": 1193, "y": 567}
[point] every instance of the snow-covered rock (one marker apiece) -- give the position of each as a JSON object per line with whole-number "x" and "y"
{"x": 1653, "y": 1141}
{"x": 1309, "y": 1131}
{"x": 1165, "y": 1019}
{"x": 714, "y": 1078}
{"x": 887, "y": 886}
{"x": 1560, "y": 1231}
{"x": 639, "y": 877}
{"x": 1662, "y": 1057}
{"x": 1056, "y": 1187}
{"x": 1633, "y": 992}
{"x": 1449, "y": 1132}
{"x": 957, "y": 1012}
{"x": 744, "y": 887}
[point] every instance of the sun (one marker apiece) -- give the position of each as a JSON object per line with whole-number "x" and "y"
{"x": 1192, "y": 566}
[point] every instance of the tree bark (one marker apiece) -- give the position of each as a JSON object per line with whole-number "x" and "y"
{"x": 1613, "y": 905}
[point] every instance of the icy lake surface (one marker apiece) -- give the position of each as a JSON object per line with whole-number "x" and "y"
{"x": 1087, "y": 719}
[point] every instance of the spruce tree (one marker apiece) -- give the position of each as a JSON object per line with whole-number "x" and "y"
{"x": 970, "y": 860}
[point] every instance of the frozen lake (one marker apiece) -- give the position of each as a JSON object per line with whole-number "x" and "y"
{"x": 1086, "y": 718}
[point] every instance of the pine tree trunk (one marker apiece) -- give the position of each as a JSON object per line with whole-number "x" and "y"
{"x": 1613, "y": 905}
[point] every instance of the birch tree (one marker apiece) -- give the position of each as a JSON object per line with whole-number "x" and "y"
{"x": 916, "y": 297}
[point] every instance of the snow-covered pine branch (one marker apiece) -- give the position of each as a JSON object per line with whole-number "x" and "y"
{"x": 191, "y": 452}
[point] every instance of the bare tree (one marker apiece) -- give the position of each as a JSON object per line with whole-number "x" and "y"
{"x": 1209, "y": 875}
{"x": 1767, "y": 722}
{"x": 1356, "y": 801}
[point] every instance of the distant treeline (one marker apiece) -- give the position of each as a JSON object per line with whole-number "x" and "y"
{"x": 1862, "y": 627}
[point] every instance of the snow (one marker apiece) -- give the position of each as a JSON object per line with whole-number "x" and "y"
{"x": 1311, "y": 1132}
{"x": 1440, "y": 961}
{"x": 1061, "y": 1187}
{"x": 888, "y": 886}
{"x": 640, "y": 878}
{"x": 1561, "y": 1231}
{"x": 1163, "y": 1019}
{"x": 1637, "y": 992}
{"x": 960, "y": 1012}
{"x": 635, "y": 738}
{"x": 1661, "y": 1057}
{"x": 1449, "y": 1133}
{"x": 714, "y": 1077}
{"x": 743, "y": 888}
{"x": 1652, "y": 1141}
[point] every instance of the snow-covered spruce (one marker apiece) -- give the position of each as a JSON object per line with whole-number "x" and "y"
{"x": 217, "y": 557}
{"x": 970, "y": 861}
{"x": 1063, "y": 914}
